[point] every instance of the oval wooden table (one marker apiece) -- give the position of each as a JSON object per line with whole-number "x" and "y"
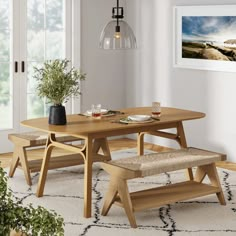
{"x": 95, "y": 133}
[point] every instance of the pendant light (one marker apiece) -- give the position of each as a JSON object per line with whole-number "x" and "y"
{"x": 117, "y": 34}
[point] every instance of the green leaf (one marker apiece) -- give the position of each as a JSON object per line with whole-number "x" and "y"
{"x": 26, "y": 219}
{"x": 58, "y": 83}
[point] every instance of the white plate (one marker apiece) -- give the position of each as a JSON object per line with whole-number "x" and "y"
{"x": 126, "y": 120}
{"x": 103, "y": 111}
{"x": 139, "y": 117}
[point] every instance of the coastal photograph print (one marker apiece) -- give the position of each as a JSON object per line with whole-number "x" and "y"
{"x": 205, "y": 37}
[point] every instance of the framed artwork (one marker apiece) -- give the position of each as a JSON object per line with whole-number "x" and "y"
{"x": 205, "y": 37}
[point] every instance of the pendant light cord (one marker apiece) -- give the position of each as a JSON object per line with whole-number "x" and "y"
{"x": 117, "y": 19}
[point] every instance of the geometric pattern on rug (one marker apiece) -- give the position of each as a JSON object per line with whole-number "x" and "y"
{"x": 64, "y": 194}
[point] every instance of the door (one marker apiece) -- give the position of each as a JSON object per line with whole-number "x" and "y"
{"x": 9, "y": 84}
{"x": 31, "y": 32}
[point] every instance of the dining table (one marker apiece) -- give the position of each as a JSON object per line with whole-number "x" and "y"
{"x": 95, "y": 133}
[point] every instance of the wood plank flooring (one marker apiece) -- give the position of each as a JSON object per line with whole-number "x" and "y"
{"x": 114, "y": 145}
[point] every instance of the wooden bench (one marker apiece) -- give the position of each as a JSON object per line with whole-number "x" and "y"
{"x": 23, "y": 141}
{"x": 146, "y": 165}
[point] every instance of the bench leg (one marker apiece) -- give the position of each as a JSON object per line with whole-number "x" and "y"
{"x": 20, "y": 154}
{"x": 14, "y": 162}
{"x": 214, "y": 178}
{"x": 126, "y": 201}
{"x": 25, "y": 166}
{"x": 200, "y": 174}
{"x": 189, "y": 173}
{"x": 211, "y": 172}
{"x": 119, "y": 186}
{"x": 110, "y": 196}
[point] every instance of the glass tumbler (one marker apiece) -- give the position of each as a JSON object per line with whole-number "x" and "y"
{"x": 156, "y": 109}
{"x": 96, "y": 111}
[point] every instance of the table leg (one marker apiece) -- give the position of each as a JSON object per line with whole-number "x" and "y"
{"x": 103, "y": 144}
{"x": 88, "y": 178}
{"x": 140, "y": 144}
{"x": 183, "y": 144}
{"x": 44, "y": 167}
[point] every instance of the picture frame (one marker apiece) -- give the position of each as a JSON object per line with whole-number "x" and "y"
{"x": 202, "y": 34}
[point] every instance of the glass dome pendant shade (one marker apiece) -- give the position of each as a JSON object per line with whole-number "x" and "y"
{"x": 117, "y": 34}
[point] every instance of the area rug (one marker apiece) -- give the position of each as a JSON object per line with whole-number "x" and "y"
{"x": 64, "y": 194}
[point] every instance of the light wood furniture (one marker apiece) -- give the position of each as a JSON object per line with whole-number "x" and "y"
{"x": 23, "y": 141}
{"x": 95, "y": 133}
{"x": 114, "y": 145}
{"x": 179, "y": 137}
{"x": 140, "y": 166}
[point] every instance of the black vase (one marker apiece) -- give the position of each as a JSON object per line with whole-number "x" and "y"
{"x": 57, "y": 115}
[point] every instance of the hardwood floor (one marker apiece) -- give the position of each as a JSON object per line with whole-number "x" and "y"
{"x": 114, "y": 145}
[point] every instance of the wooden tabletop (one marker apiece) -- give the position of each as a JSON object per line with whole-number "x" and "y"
{"x": 81, "y": 126}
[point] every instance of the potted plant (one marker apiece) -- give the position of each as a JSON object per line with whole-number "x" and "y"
{"x": 17, "y": 219}
{"x": 58, "y": 83}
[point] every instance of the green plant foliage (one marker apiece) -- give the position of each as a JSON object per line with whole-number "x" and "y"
{"x": 26, "y": 219}
{"x": 58, "y": 83}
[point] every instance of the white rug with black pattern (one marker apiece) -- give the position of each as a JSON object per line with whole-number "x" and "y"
{"x": 64, "y": 193}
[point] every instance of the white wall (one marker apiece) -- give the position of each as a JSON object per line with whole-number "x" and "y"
{"x": 150, "y": 76}
{"x": 105, "y": 68}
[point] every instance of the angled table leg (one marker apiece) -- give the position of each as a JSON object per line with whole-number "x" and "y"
{"x": 183, "y": 144}
{"x": 140, "y": 143}
{"x": 101, "y": 143}
{"x": 45, "y": 164}
{"x": 88, "y": 178}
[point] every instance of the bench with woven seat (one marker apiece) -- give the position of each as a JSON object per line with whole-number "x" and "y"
{"x": 152, "y": 164}
{"x": 23, "y": 141}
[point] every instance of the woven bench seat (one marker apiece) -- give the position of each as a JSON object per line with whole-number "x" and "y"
{"x": 152, "y": 164}
{"x": 157, "y": 163}
{"x": 38, "y": 138}
{"x": 23, "y": 141}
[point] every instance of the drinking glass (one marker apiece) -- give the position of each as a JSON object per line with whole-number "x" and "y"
{"x": 156, "y": 109}
{"x": 96, "y": 111}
